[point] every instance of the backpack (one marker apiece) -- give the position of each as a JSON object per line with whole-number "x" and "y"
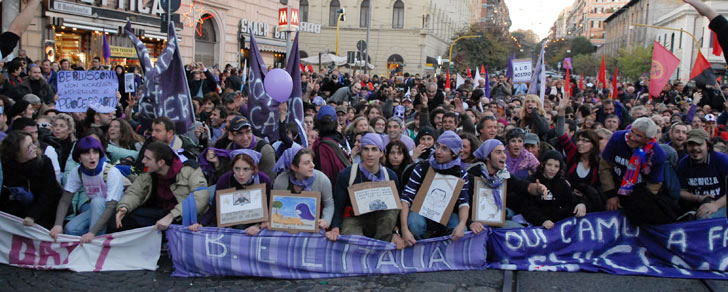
{"x": 107, "y": 167}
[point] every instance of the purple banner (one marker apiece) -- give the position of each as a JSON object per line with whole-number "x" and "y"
{"x": 607, "y": 242}
{"x": 275, "y": 254}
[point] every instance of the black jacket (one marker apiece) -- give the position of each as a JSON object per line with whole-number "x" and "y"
{"x": 561, "y": 207}
{"x": 40, "y": 178}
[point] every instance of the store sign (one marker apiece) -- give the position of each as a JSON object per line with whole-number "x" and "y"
{"x": 261, "y": 29}
{"x": 288, "y": 19}
{"x": 72, "y": 8}
{"x": 123, "y": 52}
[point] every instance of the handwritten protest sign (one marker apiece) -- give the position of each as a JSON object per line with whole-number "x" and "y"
{"x": 129, "y": 85}
{"x": 373, "y": 196}
{"x": 522, "y": 70}
{"x": 79, "y": 90}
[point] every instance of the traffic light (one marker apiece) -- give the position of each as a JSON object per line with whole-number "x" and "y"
{"x": 342, "y": 14}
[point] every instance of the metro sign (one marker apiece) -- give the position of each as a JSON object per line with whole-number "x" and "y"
{"x": 287, "y": 19}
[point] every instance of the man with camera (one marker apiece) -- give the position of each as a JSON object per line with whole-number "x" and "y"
{"x": 501, "y": 89}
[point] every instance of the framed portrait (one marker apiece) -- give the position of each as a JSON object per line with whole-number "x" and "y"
{"x": 485, "y": 209}
{"x": 294, "y": 212}
{"x": 437, "y": 196}
{"x": 246, "y": 206}
{"x": 373, "y": 196}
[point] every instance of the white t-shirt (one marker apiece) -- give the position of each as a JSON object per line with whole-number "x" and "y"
{"x": 95, "y": 186}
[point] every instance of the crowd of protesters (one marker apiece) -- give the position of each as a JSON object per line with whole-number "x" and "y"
{"x": 581, "y": 149}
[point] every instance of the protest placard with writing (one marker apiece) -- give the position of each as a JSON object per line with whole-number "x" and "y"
{"x": 79, "y": 90}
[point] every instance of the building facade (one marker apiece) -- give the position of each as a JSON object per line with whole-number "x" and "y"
{"x": 493, "y": 15}
{"x": 621, "y": 31}
{"x": 215, "y": 32}
{"x": 403, "y": 33}
{"x": 586, "y": 18}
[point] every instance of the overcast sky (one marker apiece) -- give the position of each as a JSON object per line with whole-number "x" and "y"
{"x": 536, "y": 15}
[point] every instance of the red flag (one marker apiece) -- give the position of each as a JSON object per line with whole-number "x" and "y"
{"x": 614, "y": 83}
{"x": 664, "y": 64}
{"x": 303, "y": 69}
{"x": 447, "y": 80}
{"x": 470, "y": 75}
{"x": 568, "y": 81}
{"x": 482, "y": 69}
{"x": 702, "y": 73}
{"x": 717, "y": 50}
{"x": 602, "y": 77}
{"x": 581, "y": 81}
{"x": 309, "y": 67}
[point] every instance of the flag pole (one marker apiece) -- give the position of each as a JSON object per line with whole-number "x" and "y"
{"x": 697, "y": 44}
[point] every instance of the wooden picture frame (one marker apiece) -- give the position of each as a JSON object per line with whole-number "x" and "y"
{"x": 298, "y": 205}
{"x": 483, "y": 203}
{"x": 374, "y": 196}
{"x": 244, "y": 206}
{"x": 431, "y": 200}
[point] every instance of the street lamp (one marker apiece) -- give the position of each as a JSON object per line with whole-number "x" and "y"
{"x": 455, "y": 41}
{"x": 339, "y": 18}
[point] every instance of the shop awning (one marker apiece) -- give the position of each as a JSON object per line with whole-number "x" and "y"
{"x": 73, "y": 23}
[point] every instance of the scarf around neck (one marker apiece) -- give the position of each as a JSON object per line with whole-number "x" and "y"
{"x": 495, "y": 182}
{"x": 442, "y": 166}
{"x": 639, "y": 162}
{"x": 306, "y": 184}
{"x": 370, "y": 176}
{"x": 164, "y": 182}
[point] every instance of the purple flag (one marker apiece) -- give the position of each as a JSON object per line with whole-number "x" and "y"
{"x": 487, "y": 83}
{"x": 165, "y": 89}
{"x": 509, "y": 72}
{"x": 295, "y": 102}
{"x": 567, "y": 63}
{"x": 107, "y": 50}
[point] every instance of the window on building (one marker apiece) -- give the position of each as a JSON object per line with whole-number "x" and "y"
{"x": 364, "y": 13}
{"x": 398, "y": 14}
{"x": 333, "y": 7}
{"x": 303, "y": 10}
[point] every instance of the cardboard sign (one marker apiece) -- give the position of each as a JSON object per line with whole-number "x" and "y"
{"x": 437, "y": 196}
{"x": 245, "y": 206}
{"x": 79, "y": 90}
{"x": 484, "y": 207}
{"x": 522, "y": 70}
{"x": 129, "y": 85}
{"x": 373, "y": 196}
{"x": 294, "y": 212}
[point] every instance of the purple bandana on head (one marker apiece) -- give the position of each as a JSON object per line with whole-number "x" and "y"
{"x": 255, "y": 155}
{"x": 286, "y": 159}
{"x": 452, "y": 141}
{"x": 486, "y": 148}
{"x": 372, "y": 139}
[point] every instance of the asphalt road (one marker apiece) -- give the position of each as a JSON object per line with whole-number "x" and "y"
{"x": 18, "y": 279}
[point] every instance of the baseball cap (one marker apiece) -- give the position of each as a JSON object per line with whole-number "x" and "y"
{"x": 238, "y": 123}
{"x": 341, "y": 108}
{"x": 327, "y": 110}
{"x": 530, "y": 139}
{"x": 710, "y": 118}
{"x": 698, "y": 136}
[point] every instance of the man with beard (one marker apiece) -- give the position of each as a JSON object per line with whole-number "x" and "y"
{"x": 491, "y": 171}
{"x": 163, "y": 130}
{"x": 702, "y": 177}
{"x": 678, "y": 136}
{"x": 445, "y": 161}
{"x": 631, "y": 174}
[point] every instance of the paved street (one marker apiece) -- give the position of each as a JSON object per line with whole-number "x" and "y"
{"x": 17, "y": 279}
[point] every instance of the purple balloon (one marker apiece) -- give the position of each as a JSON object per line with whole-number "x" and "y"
{"x": 278, "y": 84}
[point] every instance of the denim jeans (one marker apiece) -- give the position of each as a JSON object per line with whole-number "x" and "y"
{"x": 90, "y": 213}
{"x": 418, "y": 225}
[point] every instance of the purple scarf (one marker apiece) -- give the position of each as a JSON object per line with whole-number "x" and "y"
{"x": 495, "y": 182}
{"x": 370, "y": 176}
{"x": 306, "y": 183}
{"x": 442, "y": 166}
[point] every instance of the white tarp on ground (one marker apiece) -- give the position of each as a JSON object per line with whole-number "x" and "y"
{"x": 32, "y": 247}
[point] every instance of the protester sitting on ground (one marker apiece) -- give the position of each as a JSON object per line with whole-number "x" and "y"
{"x": 445, "y": 161}
{"x": 64, "y": 131}
{"x": 244, "y": 173}
{"x": 30, "y": 126}
{"x": 296, "y": 173}
{"x": 521, "y": 163}
{"x": 155, "y": 197}
{"x": 103, "y": 186}
{"x": 378, "y": 224}
{"x": 163, "y": 131}
{"x": 30, "y": 190}
{"x": 631, "y": 174}
{"x": 491, "y": 171}
{"x": 122, "y": 135}
{"x": 560, "y": 202}
{"x": 702, "y": 177}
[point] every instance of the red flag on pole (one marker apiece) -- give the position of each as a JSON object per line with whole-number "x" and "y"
{"x": 614, "y": 83}
{"x": 717, "y": 50}
{"x": 482, "y": 69}
{"x": 581, "y": 81}
{"x": 602, "y": 77}
{"x": 470, "y": 75}
{"x": 568, "y": 81}
{"x": 664, "y": 64}
{"x": 309, "y": 67}
{"x": 702, "y": 73}
{"x": 447, "y": 80}
{"x": 303, "y": 68}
